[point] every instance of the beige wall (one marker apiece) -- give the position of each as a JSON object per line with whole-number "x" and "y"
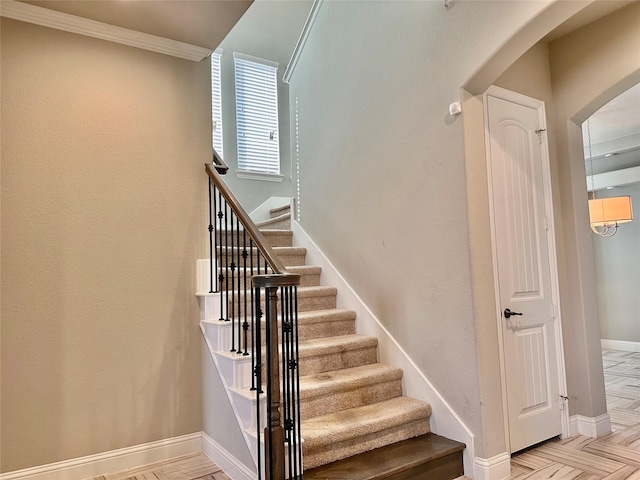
{"x": 553, "y": 74}
{"x": 103, "y": 197}
{"x": 383, "y": 177}
{"x": 588, "y": 68}
{"x": 530, "y": 76}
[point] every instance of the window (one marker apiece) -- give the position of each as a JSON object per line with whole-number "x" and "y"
{"x": 257, "y": 115}
{"x": 216, "y": 101}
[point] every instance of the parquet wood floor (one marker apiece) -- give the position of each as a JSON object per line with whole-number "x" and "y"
{"x": 615, "y": 456}
{"x": 196, "y": 466}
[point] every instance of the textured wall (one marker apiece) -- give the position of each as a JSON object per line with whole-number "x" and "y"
{"x": 617, "y": 262}
{"x": 589, "y": 67}
{"x": 103, "y": 198}
{"x": 383, "y": 171}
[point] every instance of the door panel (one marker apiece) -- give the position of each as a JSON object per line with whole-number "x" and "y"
{"x": 524, "y": 273}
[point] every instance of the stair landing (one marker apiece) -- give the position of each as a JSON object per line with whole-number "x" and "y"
{"x": 428, "y": 456}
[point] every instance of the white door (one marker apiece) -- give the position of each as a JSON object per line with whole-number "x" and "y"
{"x": 523, "y": 250}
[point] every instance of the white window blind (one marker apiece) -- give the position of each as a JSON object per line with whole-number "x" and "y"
{"x": 257, "y": 114}
{"x": 216, "y": 101}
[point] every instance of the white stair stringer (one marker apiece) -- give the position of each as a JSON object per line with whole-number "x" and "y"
{"x": 234, "y": 370}
{"x": 235, "y": 373}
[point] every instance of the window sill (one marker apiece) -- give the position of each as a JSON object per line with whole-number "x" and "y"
{"x": 265, "y": 177}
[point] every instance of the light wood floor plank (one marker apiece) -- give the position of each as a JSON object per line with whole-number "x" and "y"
{"x": 195, "y": 466}
{"x": 613, "y": 457}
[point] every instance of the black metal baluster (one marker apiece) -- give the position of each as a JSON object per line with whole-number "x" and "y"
{"x": 245, "y": 325}
{"x": 219, "y": 260}
{"x": 286, "y": 370}
{"x": 226, "y": 260}
{"x": 297, "y": 414}
{"x": 233, "y": 289}
{"x": 239, "y": 295}
{"x": 255, "y": 322}
{"x": 211, "y": 235}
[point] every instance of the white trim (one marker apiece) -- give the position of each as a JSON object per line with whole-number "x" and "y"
{"x": 209, "y": 404}
{"x": 539, "y": 105}
{"x": 593, "y": 427}
{"x": 225, "y": 460}
{"x": 304, "y": 35}
{"x": 497, "y": 467}
{"x": 265, "y": 177}
{"x": 104, "y": 31}
{"x": 112, "y": 461}
{"x": 444, "y": 420}
{"x": 622, "y": 345}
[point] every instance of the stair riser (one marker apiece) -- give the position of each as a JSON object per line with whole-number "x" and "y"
{"x": 220, "y": 334}
{"x": 232, "y": 278}
{"x": 282, "y": 238}
{"x": 284, "y": 224}
{"x": 236, "y": 370}
{"x": 288, "y": 259}
{"x": 305, "y": 304}
{"x": 310, "y": 365}
{"x": 315, "y": 455}
{"x": 325, "y": 329}
{"x": 319, "y": 330}
{"x": 247, "y": 410}
{"x": 343, "y": 399}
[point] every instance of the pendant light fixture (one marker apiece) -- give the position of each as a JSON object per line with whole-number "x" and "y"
{"x": 606, "y": 213}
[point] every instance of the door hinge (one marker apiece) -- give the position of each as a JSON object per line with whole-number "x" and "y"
{"x": 563, "y": 400}
{"x": 554, "y": 311}
{"x": 546, "y": 223}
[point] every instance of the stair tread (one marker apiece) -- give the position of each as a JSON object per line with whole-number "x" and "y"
{"x": 276, "y": 231}
{"x": 336, "y": 344}
{"x": 362, "y": 421}
{"x": 389, "y": 460}
{"x": 334, "y": 314}
{"x": 304, "y": 268}
{"x": 274, "y": 220}
{"x": 277, "y": 210}
{"x": 278, "y": 250}
{"x": 320, "y": 384}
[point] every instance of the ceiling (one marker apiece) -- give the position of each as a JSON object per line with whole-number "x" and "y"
{"x": 203, "y": 23}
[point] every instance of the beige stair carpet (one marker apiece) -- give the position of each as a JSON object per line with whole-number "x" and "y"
{"x": 350, "y": 403}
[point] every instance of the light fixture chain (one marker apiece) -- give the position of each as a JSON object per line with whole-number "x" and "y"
{"x": 593, "y": 183}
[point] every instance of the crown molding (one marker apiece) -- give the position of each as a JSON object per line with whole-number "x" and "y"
{"x": 103, "y": 31}
{"x": 306, "y": 30}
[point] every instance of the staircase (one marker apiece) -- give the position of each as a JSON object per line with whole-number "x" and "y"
{"x": 352, "y": 408}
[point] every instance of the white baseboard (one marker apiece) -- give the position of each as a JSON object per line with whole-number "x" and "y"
{"x": 622, "y": 345}
{"x": 112, "y": 461}
{"x": 590, "y": 426}
{"x": 225, "y": 460}
{"x": 494, "y": 468}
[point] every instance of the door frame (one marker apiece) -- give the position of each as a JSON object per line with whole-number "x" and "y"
{"x": 538, "y": 105}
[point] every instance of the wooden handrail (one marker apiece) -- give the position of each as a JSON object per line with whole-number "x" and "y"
{"x": 256, "y": 235}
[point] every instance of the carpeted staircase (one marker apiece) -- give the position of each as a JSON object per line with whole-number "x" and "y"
{"x": 351, "y": 405}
